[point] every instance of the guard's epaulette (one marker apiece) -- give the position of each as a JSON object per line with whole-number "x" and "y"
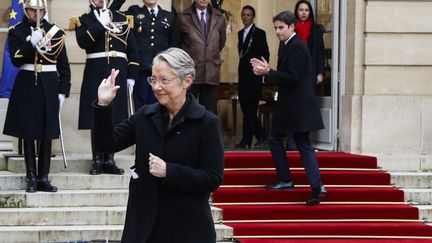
{"x": 130, "y": 19}
{"x": 74, "y": 22}
{"x": 13, "y": 26}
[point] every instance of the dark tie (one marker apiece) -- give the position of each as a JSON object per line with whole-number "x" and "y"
{"x": 152, "y": 13}
{"x": 202, "y": 22}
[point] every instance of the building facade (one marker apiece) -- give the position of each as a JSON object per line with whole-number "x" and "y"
{"x": 381, "y": 72}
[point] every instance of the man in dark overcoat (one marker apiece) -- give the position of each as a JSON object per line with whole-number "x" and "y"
{"x": 252, "y": 43}
{"x": 108, "y": 44}
{"x": 202, "y": 34}
{"x": 154, "y": 31}
{"x": 296, "y": 108}
{"x": 39, "y": 90}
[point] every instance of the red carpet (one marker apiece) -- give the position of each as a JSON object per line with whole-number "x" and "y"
{"x": 360, "y": 206}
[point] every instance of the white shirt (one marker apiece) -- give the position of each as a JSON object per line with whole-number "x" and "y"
{"x": 199, "y": 14}
{"x": 246, "y": 32}
{"x": 156, "y": 10}
{"x": 286, "y": 42}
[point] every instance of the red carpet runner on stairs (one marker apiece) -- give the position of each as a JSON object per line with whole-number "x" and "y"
{"x": 361, "y": 204}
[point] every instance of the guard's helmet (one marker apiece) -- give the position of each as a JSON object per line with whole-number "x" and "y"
{"x": 34, "y": 4}
{"x": 107, "y": 2}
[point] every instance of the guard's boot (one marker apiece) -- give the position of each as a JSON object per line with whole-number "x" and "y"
{"x": 30, "y": 162}
{"x": 109, "y": 167}
{"x": 44, "y": 163}
{"x": 97, "y": 157}
{"x": 97, "y": 164}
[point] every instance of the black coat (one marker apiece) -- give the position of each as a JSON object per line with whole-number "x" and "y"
{"x": 174, "y": 209}
{"x": 316, "y": 48}
{"x": 91, "y": 36}
{"x": 296, "y": 108}
{"x": 152, "y": 36}
{"x": 254, "y": 46}
{"x": 33, "y": 105}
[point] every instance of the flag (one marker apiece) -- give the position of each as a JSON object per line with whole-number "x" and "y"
{"x": 9, "y": 71}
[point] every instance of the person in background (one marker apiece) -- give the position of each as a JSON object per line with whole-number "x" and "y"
{"x": 296, "y": 108}
{"x": 40, "y": 88}
{"x": 202, "y": 34}
{"x": 179, "y": 156}
{"x": 252, "y": 43}
{"x": 312, "y": 35}
{"x": 154, "y": 31}
{"x": 109, "y": 43}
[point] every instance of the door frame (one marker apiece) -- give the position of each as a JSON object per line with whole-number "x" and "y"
{"x": 330, "y": 106}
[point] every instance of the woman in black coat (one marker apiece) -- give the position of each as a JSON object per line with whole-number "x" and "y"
{"x": 39, "y": 90}
{"x": 312, "y": 34}
{"x": 296, "y": 109}
{"x": 252, "y": 42}
{"x": 179, "y": 155}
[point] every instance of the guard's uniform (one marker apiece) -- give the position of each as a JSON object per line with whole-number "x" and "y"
{"x": 33, "y": 105}
{"x": 33, "y": 110}
{"x": 153, "y": 35}
{"x": 105, "y": 50}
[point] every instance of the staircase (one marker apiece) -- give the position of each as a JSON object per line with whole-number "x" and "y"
{"x": 361, "y": 205}
{"x": 85, "y": 208}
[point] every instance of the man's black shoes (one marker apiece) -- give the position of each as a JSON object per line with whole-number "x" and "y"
{"x": 317, "y": 195}
{"x": 281, "y": 185}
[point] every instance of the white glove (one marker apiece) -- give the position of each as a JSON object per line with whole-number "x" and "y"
{"x": 130, "y": 84}
{"x": 36, "y": 36}
{"x": 61, "y": 98}
{"x": 103, "y": 16}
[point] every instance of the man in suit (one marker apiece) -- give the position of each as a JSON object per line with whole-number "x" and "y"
{"x": 296, "y": 108}
{"x": 202, "y": 35}
{"x": 154, "y": 31}
{"x": 252, "y": 43}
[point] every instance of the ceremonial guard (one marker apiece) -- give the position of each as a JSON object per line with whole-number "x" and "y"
{"x": 154, "y": 32}
{"x": 109, "y": 43}
{"x": 38, "y": 48}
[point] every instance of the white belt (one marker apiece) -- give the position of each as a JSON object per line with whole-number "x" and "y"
{"x": 39, "y": 68}
{"x": 107, "y": 54}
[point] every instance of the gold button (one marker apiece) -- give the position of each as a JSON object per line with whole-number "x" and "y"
{"x": 152, "y": 37}
{"x": 152, "y": 44}
{"x": 152, "y": 23}
{"x": 152, "y": 30}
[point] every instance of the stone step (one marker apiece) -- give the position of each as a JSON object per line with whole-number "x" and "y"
{"x": 77, "y": 163}
{"x": 61, "y": 233}
{"x": 71, "y": 216}
{"x": 64, "y": 198}
{"x": 421, "y": 196}
{"x": 68, "y": 181}
{"x": 425, "y": 211}
{"x": 412, "y": 179}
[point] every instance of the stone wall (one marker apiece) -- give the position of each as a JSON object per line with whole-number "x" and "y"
{"x": 387, "y": 107}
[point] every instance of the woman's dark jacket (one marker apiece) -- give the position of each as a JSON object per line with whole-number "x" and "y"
{"x": 174, "y": 209}
{"x": 317, "y": 50}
